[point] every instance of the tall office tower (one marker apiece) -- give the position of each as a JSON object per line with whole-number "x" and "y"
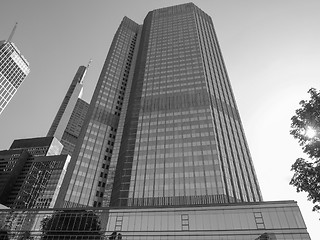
{"x": 31, "y": 173}
{"x": 86, "y": 181}
{"x": 68, "y": 122}
{"x": 14, "y": 68}
{"x": 181, "y": 141}
{"x": 164, "y": 113}
{"x": 162, "y": 147}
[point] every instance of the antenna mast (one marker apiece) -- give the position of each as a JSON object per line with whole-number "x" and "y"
{"x": 84, "y": 74}
{"x": 12, "y": 32}
{"x": 90, "y": 61}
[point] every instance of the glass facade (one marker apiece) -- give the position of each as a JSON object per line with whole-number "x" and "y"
{"x": 31, "y": 173}
{"x": 90, "y": 162}
{"x": 14, "y": 68}
{"x": 64, "y": 123}
{"x": 268, "y": 220}
{"x": 41, "y": 183}
{"x": 180, "y": 140}
{"x": 162, "y": 152}
{"x": 279, "y": 220}
{"x": 72, "y": 131}
{"x": 162, "y": 127}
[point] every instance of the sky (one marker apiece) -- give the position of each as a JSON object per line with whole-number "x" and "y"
{"x": 271, "y": 50}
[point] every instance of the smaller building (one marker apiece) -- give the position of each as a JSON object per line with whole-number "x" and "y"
{"x": 31, "y": 173}
{"x": 12, "y": 163}
{"x": 14, "y": 68}
{"x": 236, "y": 221}
{"x": 42, "y": 182}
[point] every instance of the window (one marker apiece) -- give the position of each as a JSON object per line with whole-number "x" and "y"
{"x": 259, "y": 220}
{"x": 185, "y": 222}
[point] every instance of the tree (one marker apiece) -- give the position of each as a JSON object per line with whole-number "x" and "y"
{"x": 266, "y": 236}
{"x": 305, "y": 126}
{"x": 25, "y": 235}
{"x": 71, "y": 224}
{"x": 115, "y": 236}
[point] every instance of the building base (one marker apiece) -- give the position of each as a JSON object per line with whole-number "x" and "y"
{"x": 241, "y": 221}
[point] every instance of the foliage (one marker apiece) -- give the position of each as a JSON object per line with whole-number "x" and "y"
{"x": 72, "y": 224}
{"x": 306, "y": 176}
{"x": 115, "y": 236}
{"x": 266, "y": 236}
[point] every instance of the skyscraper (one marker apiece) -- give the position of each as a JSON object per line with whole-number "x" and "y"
{"x": 31, "y": 171}
{"x": 163, "y": 127}
{"x": 69, "y": 119}
{"x": 162, "y": 153}
{"x": 182, "y": 141}
{"x": 96, "y": 141}
{"x": 14, "y": 68}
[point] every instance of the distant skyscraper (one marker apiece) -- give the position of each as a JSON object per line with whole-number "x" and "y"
{"x": 70, "y": 135}
{"x": 14, "y": 68}
{"x": 68, "y": 122}
{"x": 31, "y": 171}
{"x": 164, "y": 113}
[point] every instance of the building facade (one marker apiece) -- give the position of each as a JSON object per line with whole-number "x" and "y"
{"x": 86, "y": 181}
{"x": 182, "y": 140}
{"x": 14, "y": 68}
{"x": 11, "y": 164}
{"x": 72, "y": 131}
{"x": 31, "y": 173}
{"x": 163, "y": 126}
{"x": 162, "y": 152}
{"x": 237, "y": 221}
{"x": 69, "y": 119}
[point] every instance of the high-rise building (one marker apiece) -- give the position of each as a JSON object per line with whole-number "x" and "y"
{"x": 14, "y": 68}
{"x": 162, "y": 153}
{"x": 68, "y": 122}
{"x": 163, "y": 125}
{"x": 180, "y": 139}
{"x": 32, "y": 169}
